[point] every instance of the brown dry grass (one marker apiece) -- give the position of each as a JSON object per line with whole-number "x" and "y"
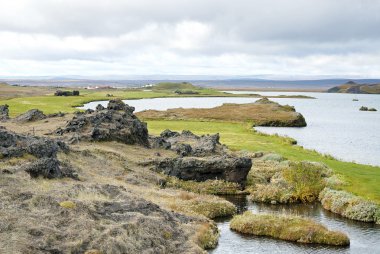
{"x": 251, "y": 112}
{"x": 8, "y": 92}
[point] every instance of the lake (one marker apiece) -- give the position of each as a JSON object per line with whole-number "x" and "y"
{"x": 335, "y": 125}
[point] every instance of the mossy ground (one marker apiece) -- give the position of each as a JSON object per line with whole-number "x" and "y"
{"x": 290, "y": 228}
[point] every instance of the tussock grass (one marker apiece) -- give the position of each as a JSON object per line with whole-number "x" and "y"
{"x": 195, "y": 204}
{"x": 215, "y": 187}
{"x": 207, "y": 236}
{"x": 349, "y": 205}
{"x": 289, "y": 228}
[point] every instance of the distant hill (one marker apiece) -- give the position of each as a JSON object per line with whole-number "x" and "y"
{"x": 353, "y": 87}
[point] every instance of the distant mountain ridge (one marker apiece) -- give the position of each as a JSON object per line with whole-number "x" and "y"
{"x": 353, "y": 87}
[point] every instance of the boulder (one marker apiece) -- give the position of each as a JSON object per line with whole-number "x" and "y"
{"x": 15, "y": 145}
{"x": 49, "y": 168}
{"x": 4, "y": 112}
{"x": 189, "y": 144}
{"x": 231, "y": 169}
{"x": 116, "y": 123}
{"x": 30, "y": 116}
{"x": 44, "y": 149}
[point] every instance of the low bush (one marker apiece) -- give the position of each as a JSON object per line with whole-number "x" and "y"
{"x": 289, "y": 228}
{"x": 349, "y": 205}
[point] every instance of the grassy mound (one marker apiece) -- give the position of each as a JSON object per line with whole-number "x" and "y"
{"x": 287, "y": 181}
{"x": 349, "y": 205}
{"x": 215, "y": 187}
{"x": 287, "y": 228}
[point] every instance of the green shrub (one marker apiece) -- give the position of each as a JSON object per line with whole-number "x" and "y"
{"x": 306, "y": 179}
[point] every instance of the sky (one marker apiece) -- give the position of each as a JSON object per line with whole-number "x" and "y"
{"x": 287, "y": 38}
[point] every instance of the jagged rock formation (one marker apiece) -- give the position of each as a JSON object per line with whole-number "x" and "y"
{"x": 4, "y": 112}
{"x": 187, "y": 143}
{"x": 231, "y": 169}
{"x": 45, "y": 150}
{"x": 200, "y": 158}
{"x": 30, "y": 116}
{"x": 115, "y": 123}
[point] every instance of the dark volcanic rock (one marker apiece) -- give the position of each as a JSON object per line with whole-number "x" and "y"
{"x": 189, "y": 144}
{"x": 30, "y": 116}
{"x": 49, "y": 168}
{"x": 116, "y": 123}
{"x": 14, "y": 145}
{"x": 47, "y": 164}
{"x": 232, "y": 169}
{"x": 4, "y": 112}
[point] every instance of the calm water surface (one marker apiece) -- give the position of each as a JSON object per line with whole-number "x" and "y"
{"x": 364, "y": 237}
{"x": 335, "y": 124}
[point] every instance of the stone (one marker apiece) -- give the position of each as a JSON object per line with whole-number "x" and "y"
{"x": 116, "y": 123}
{"x": 4, "y": 112}
{"x": 49, "y": 168}
{"x": 231, "y": 169}
{"x": 30, "y": 116}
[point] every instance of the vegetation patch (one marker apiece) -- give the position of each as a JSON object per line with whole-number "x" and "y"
{"x": 287, "y": 181}
{"x": 207, "y": 236}
{"x": 349, "y": 205}
{"x": 289, "y": 228}
{"x": 208, "y": 206}
{"x": 261, "y": 113}
{"x": 215, "y": 187}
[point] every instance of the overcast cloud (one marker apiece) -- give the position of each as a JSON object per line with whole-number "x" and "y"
{"x": 210, "y": 37}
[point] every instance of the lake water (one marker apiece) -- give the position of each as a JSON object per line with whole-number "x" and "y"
{"x": 335, "y": 125}
{"x": 364, "y": 237}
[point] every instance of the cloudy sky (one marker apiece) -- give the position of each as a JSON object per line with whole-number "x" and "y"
{"x": 190, "y": 37}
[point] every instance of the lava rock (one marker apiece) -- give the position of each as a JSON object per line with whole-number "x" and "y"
{"x": 232, "y": 169}
{"x": 30, "y": 116}
{"x": 4, "y": 112}
{"x": 49, "y": 168}
{"x": 116, "y": 123}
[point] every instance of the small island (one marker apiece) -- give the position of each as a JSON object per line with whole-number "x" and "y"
{"x": 261, "y": 113}
{"x": 362, "y": 108}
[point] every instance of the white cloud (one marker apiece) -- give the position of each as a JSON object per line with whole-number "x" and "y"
{"x": 242, "y": 37}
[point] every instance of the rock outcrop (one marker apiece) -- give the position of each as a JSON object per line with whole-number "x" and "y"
{"x": 231, "y": 169}
{"x": 187, "y": 143}
{"x": 114, "y": 123}
{"x": 200, "y": 158}
{"x": 4, "y": 112}
{"x": 362, "y": 108}
{"x": 30, "y": 116}
{"x": 45, "y": 150}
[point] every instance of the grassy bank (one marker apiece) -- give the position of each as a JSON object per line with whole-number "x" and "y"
{"x": 361, "y": 179}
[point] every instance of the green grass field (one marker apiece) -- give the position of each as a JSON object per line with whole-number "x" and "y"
{"x": 362, "y": 180}
{"x": 53, "y": 104}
